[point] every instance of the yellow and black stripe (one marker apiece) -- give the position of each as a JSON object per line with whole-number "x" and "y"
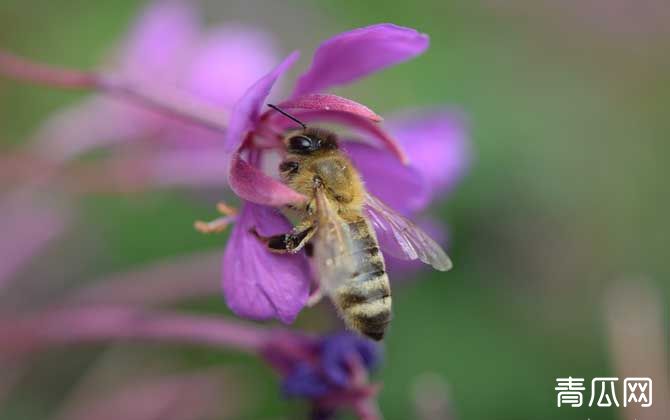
{"x": 365, "y": 299}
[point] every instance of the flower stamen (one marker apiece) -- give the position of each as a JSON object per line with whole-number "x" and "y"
{"x": 214, "y": 226}
{"x": 220, "y": 224}
{"x": 226, "y": 209}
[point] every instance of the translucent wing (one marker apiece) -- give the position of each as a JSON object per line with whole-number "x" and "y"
{"x": 403, "y": 239}
{"x": 332, "y": 245}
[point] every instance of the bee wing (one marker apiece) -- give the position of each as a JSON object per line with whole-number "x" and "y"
{"x": 332, "y": 245}
{"x": 403, "y": 239}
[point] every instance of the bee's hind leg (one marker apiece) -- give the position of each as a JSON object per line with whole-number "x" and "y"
{"x": 291, "y": 242}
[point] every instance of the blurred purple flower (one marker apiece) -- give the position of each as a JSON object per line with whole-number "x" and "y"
{"x": 179, "y": 397}
{"x": 28, "y": 223}
{"x": 256, "y": 284}
{"x": 167, "y": 49}
{"x": 436, "y": 145}
{"x": 332, "y": 372}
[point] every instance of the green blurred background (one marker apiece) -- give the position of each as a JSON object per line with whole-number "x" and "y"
{"x": 566, "y": 200}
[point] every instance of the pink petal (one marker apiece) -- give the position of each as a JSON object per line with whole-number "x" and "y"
{"x": 327, "y": 102}
{"x": 159, "y": 41}
{"x": 94, "y": 123}
{"x": 189, "y": 396}
{"x": 357, "y": 53}
{"x": 196, "y": 167}
{"x": 246, "y": 112}
{"x": 100, "y": 323}
{"x": 399, "y": 186}
{"x": 227, "y": 62}
{"x": 257, "y": 283}
{"x": 156, "y": 283}
{"x": 355, "y": 122}
{"x": 253, "y": 185}
{"x": 438, "y": 145}
{"x": 28, "y": 224}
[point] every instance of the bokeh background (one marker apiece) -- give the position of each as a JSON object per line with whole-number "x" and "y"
{"x": 559, "y": 232}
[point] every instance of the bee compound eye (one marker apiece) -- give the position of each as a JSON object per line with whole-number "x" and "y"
{"x": 300, "y": 144}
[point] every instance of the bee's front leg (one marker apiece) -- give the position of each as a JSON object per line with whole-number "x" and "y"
{"x": 290, "y": 242}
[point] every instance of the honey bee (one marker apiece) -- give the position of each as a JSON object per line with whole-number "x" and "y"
{"x": 336, "y": 228}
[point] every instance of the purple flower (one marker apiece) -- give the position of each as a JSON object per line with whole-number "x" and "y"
{"x": 146, "y": 395}
{"x": 405, "y": 173}
{"x": 167, "y": 50}
{"x": 438, "y": 147}
{"x": 261, "y": 284}
{"x": 332, "y": 371}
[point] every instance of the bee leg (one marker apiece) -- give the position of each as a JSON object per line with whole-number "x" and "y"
{"x": 309, "y": 249}
{"x": 291, "y": 242}
{"x": 302, "y": 234}
{"x": 315, "y": 297}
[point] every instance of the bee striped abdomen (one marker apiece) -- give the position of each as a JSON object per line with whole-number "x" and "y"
{"x": 365, "y": 299}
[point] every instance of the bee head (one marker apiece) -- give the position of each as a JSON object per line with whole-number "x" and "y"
{"x": 310, "y": 140}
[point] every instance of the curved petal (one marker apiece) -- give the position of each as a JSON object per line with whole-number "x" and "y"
{"x": 227, "y": 61}
{"x": 159, "y": 40}
{"x": 253, "y": 185}
{"x": 245, "y": 113}
{"x": 95, "y": 122}
{"x": 196, "y": 167}
{"x": 327, "y": 102}
{"x": 357, "y": 53}
{"x": 259, "y": 284}
{"x": 401, "y": 187}
{"x": 437, "y": 144}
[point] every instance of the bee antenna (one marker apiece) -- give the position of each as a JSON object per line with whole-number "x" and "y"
{"x": 287, "y": 115}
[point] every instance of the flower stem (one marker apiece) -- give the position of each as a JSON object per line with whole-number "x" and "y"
{"x": 107, "y": 323}
{"x": 166, "y": 99}
{"x": 157, "y": 283}
{"x": 28, "y": 71}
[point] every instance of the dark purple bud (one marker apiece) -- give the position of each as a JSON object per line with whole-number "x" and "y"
{"x": 304, "y": 381}
{"x": 337, "y": 351}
